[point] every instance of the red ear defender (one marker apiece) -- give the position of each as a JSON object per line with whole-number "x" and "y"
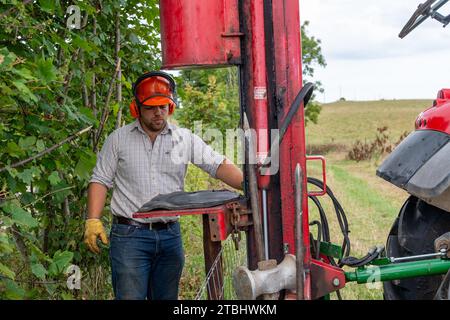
{"x": 134, "y": 109}
{"x": 171, "y": 107}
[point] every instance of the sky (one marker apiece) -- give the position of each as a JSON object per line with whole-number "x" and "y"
{"x": 366, "y": 60}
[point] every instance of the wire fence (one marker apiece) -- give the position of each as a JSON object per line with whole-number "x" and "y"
{"x": 218, "y": 282}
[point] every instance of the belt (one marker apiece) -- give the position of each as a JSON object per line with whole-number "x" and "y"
{"x": 151, "y": 225}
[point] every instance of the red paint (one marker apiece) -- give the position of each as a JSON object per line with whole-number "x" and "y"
{"x": 221, "y": 213}
{"x": 186, "y": 212}
{"x": 259, "y": 85}
{"x": 286, "y": 24}
{"x": 199, "y": 33}
{"x": 438, "y": 116}
{"x": 325, "y": 279}
{"x": 324, "y": 176}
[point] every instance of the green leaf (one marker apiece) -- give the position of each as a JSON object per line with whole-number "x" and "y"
{"x": 67, "y": 296}
{"x": 7, "y": 272}
{"x": 60, "y": 262}
{"x": 26, "y": 143}
{"x": 7, "y": 222}
{"x": 88, "y": 113}
{"x": 34, "y": 249}
{"x": 40, "y": 146}
{"x": 27, "y": 175}
{"x": 46, "y": 71}
{"x": 19, "y": 215}
{"x": 126, "y": 83}
{"x": 39, "y": 270}
{"x": 54, "y": 178}
{"x": 13, "y": 291}
{"x": 24, "y": 73}
{"x": 134, "y": 39}
{"x": 5, "y": 245}
{"x": 47, "y": 5}
{"x": 25, "y": 92}
{"x": 79, "y": 42}
{"x": 14, "y": 150}
{"x": 85, "y": 165}
{"x": 115, "y": 108}
{"x": 8, "y": 58}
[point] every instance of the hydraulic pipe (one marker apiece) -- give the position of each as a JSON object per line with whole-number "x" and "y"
{"x": 299, "y": 248}
{"x": 254, "y": 192}
{"x": 265, "y": 224}
{"x": 399, "y": 271}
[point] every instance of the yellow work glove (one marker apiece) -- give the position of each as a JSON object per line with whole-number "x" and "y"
{"x": 93, "y": 229}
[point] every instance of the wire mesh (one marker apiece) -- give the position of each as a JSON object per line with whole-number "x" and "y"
{"x": 218, "y": 282}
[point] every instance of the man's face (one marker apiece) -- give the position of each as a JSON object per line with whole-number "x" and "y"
{"x": 154, "y": 118}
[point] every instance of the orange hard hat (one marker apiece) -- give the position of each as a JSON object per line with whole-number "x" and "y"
{"x": 154, "y": 89}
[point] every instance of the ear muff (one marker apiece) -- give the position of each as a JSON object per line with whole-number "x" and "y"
{"x": 136, "y": 104}
{"x": 134, "y": 110}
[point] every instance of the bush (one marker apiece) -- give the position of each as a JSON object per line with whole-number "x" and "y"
{"x": 378, "y": 147}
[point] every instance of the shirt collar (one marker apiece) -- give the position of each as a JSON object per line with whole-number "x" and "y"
{"x": 136, "y": 125}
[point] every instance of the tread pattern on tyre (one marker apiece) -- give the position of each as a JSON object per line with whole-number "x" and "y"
{"x": 413, "y": 232}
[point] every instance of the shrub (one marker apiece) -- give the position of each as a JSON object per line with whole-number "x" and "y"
{"x": 380, "y": 146}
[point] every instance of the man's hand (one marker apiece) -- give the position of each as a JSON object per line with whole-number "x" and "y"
{"x": 93, "y": 229}
{"x": 443, "y": 242}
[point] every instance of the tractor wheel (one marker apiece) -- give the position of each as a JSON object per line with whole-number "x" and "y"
{"x": 413, "y": 233}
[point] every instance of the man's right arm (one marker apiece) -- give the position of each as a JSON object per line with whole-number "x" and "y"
{"x": 102, "y": 179}
{"x": 96, "y": 200}
{"x": 94, "y": 227}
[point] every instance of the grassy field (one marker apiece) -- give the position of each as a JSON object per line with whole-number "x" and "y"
{"x": 371, "y": 204}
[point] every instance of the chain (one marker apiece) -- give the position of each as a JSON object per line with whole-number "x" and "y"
{"x": 235, "y": 218}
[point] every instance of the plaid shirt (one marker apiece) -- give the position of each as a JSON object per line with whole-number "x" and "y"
{"x": 138, "y": 171}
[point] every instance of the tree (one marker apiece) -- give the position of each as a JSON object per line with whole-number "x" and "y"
{"x": 311, "y": 56}
{"x": 60, "y": 95}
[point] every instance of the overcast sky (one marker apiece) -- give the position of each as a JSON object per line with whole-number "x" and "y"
{"x": 366, "y": 60}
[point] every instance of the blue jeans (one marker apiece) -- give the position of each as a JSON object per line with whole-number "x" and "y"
{"x": 146, "y": 264}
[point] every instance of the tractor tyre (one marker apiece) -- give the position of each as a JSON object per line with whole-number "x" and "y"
{"x": 413, "y": 233}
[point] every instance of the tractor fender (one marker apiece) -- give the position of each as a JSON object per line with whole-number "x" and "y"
{"x": 420, "y": 166}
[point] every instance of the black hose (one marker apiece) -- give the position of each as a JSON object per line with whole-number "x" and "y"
{"x": 340, "y": 214}
{"x": 346, "y": 259}
{"x": 319, "y": 237}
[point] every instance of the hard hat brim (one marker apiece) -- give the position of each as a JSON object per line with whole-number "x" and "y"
{"x": 157, "y": 101}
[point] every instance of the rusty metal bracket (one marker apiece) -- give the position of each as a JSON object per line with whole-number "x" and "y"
{"x": 232, "y": 219}
{"x": 325, "y": 279}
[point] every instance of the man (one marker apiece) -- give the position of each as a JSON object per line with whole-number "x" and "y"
{"x": 139, "y": 161}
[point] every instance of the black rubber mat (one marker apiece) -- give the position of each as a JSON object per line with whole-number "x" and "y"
{"x": 190, "y": 200}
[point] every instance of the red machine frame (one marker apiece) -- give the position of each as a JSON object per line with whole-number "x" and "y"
{"x": 269, "y": 60}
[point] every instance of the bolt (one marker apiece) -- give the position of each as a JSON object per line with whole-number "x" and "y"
{"x": 336, "y": 282}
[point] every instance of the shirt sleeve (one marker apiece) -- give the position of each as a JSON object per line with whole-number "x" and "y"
{"x": 107, "y": 158}
{"x": 203, "y": 156}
